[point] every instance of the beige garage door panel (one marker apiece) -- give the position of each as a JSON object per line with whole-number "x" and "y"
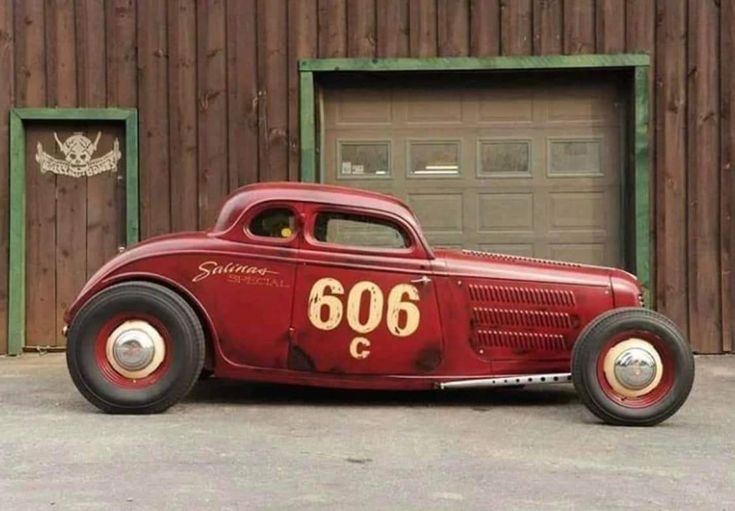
{"x": 533, "y": 171}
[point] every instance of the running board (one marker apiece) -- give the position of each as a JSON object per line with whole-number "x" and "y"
{"x": 508, "y": 381}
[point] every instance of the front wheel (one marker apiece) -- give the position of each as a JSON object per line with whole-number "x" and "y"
{"x": 632, "y": 367}
{"x": 135, "y": 347}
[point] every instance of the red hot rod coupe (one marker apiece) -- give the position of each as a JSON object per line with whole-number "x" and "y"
{"x": 331, "y": 286}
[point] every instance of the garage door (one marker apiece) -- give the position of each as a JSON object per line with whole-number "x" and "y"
{"x": 526, "y": 167}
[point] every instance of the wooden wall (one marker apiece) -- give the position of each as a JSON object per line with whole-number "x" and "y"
{"x": 216, "y": 85}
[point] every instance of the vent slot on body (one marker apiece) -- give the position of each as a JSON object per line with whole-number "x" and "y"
{"x": 522, "y": 295}
{"x": 519, "y": 340}
{"x": 521, "y": 318}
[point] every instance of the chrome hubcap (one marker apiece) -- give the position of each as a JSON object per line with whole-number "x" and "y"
{"x": 633, "y": 368}
{"x": 135, "y": 349}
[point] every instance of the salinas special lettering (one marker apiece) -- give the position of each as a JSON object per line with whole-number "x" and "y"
{"x": 209, "y": 268}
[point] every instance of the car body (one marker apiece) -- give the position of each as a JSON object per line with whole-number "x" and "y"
{"x": 332, "y": 286}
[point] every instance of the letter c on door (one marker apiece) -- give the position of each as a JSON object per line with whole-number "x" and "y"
{"x": 358, "y": 348}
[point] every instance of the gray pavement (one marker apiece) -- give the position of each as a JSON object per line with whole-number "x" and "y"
{"x": 235, "y": 445}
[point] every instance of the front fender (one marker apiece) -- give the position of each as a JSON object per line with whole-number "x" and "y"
{"x": 103, "y": 282}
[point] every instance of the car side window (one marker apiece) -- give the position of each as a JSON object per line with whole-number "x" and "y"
{"x": 359, "y": 231}
{"x": 273, "y": 223}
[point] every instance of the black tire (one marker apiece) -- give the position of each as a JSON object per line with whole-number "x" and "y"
{"x": 587, "y": 351}
{"x": 186, "y": 338}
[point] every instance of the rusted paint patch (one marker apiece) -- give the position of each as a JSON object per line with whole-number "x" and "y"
{"x": 428, "y": 359}
{"x": 298, "y": 360}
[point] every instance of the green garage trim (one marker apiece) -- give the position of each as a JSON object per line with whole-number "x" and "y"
{"x": 17, "y": 263}
{"x": 638, "y": 64}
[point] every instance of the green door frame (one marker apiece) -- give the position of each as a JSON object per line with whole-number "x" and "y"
{"x": 637, "y": 64}
{"x": 17, "y": 263}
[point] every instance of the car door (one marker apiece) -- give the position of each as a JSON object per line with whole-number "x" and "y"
{"x": 364, "y": 301}
{"x": 251, "y": 285}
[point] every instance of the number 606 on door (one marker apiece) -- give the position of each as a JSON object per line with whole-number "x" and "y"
{"x": 326, "y": 310}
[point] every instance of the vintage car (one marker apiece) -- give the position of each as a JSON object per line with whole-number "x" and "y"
{"x": 337, "y": 287}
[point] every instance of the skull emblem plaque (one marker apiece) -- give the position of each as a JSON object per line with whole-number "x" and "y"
{"x": 78, "y": 162}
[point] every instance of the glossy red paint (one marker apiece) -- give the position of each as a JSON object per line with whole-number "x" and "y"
{"x": 408, "y": 318}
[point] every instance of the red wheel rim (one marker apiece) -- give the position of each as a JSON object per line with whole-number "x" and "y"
{"x": 106, "y": 368}
{"x": 659, "y": 391}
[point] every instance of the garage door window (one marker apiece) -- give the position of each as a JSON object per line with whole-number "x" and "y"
{"x": 359, "y": 231}
{"x": 434, "y": 158}
{"x": 364, "y": 159}
{"x": 575, "y": 157}
{"x": 504, "y": 158}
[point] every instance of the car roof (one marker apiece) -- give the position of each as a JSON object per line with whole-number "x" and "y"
{"x": 245, "y": 197}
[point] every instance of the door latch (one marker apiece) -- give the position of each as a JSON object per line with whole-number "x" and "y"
{"x": 423, "y": 280}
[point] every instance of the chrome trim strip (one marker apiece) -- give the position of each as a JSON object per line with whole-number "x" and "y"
{"x": 508, "y": 381}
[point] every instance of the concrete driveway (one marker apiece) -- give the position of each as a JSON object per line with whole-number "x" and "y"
{"x": 241, "y": 446}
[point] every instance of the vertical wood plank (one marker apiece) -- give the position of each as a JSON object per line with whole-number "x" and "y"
{"x": 61, "y": 53}
{"x": 30, "y": 61}
{"x": 361, "y": 36}
{"x": 610, "y": 26}
{"x": 121, "y": 52}
{"x": 516, "y": 27}
{"x": 122, "y": 70}
{"x": 547, "y": 27}
{"x": 579, "y": 26}
{"x": 639, "y": 25}
{"x": 422, "y": 28}
{"x": 182, "y": 98}
{"x": 727, "y": 182}
{"x": 7, "y": 89}
{"x": 705, "y": 327}
{"x": 242, "y": 93}
{"x": 453, "y": 28}
{"x": 155, "y": 207}
{"x": 302, "y": 43}
{"x": 484, "y": 28}
{"x": 273, "y": 90}
{"x": 671, "y": 108}
{"x": 103, "y": 224}
{"x": 90, "y": 53}
{"x": 71, "y": 193}
{"x": 212, "y": 97}
{"x": 332, "y": 19}
{"x": 392, "y": 29}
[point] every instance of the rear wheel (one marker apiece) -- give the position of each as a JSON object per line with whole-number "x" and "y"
{"x": 632, "y": 367}
{"x": 136, "y": 347}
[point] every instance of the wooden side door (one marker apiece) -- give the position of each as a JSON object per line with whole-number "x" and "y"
{"x": 365, "y": 301}
{"x": 75, "y": 216}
